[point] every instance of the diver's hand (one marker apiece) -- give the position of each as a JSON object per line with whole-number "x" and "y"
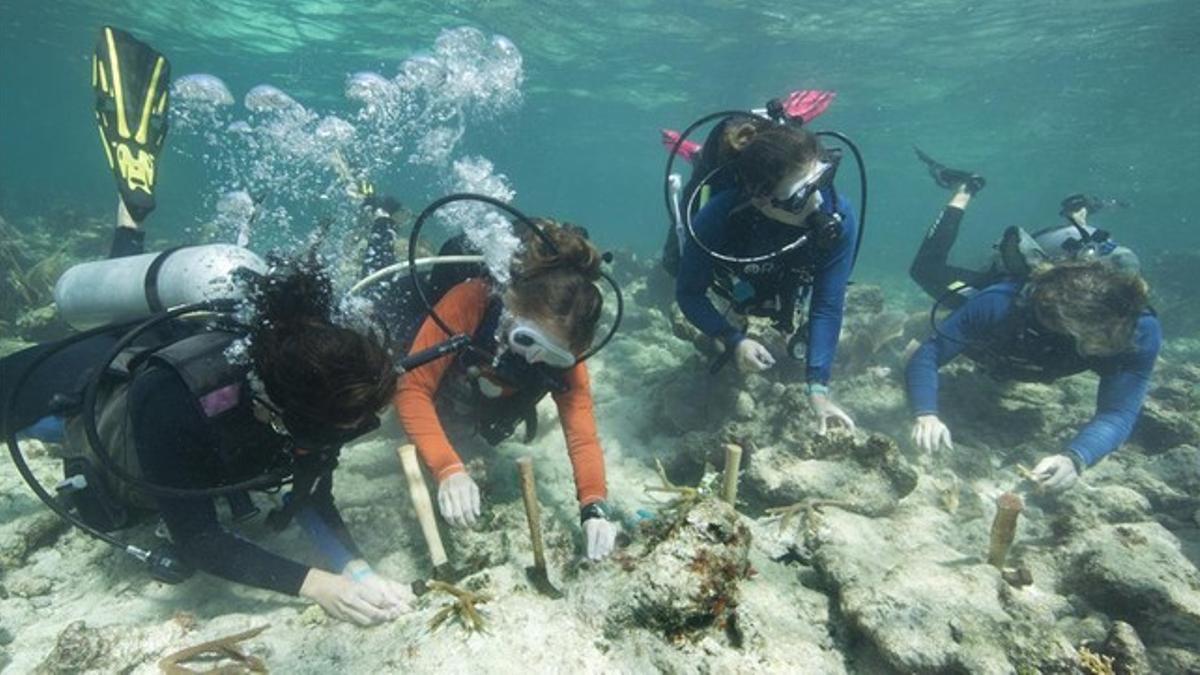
{"x": 398, "y": 597}
{"x": 826, "y": 411}
{"x": 344, "y": 599}
{"x": 601, "y": 536}
{"x": 1055, "y": 473}
{"x": 458, "y": 499}
{"x": 929, "y": 434}
{"x": 752, "y": 357}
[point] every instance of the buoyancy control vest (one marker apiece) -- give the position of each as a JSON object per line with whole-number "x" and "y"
{"x": 497, "y": 389}
{"x": 1024, "y": 351}
{"x": 773, "y": 288}
{"x": 243, "y": 444}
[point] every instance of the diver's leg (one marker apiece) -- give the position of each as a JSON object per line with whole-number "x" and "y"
{"x": 62, "y": 373}
{"x": 931, "y": 268}
{"x": 381, "y": 246}
{"x": 128, "y": 238}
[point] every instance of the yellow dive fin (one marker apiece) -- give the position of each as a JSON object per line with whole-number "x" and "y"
{"x": 131, "y": 81}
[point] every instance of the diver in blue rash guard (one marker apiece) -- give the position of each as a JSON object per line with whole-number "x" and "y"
{"x": 784, "y": 190}
{"x": 1069, "y": 317}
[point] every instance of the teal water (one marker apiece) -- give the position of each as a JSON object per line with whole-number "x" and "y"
{"x": 1043, "y": 98}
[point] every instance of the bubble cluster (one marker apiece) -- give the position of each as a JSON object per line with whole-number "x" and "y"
{"x": 486, "y": 228}
{"x": 303, "y": 165}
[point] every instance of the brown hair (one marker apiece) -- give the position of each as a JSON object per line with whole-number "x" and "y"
{"x": 1092, "y": 301}
{"x": 771, "y": 154}
{"x": 559, "y": 287}
{"x": 308, "y": 365}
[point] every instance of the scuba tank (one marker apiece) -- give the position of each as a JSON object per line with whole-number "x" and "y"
{"x": 96, "y": 293}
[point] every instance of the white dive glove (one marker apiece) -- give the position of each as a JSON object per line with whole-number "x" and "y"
{"x": 929, "y": 434}
{"x": 458, "y": 499}
{"x": 599, "y": 532}
{"x": 601, "y": 537}
{"x": 1056, "y": 473}
{"x": 752, "y": 357}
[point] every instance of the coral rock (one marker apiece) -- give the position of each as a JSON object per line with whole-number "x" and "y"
{"x": 78, "y": 648}
{"x": 1136, "y": 573}
{"x": 688, "y": 581}
{"x": 923, "y": 610}
{"x": 1126, "y": 648}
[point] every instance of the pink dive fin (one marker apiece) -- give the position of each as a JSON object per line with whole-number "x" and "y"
{"x": 807, "y": 104}
{"x": 687, "y": 150}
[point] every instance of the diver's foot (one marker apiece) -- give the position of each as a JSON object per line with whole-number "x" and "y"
{"x": 951, "y": 179}
{"x": 974, "y": 183}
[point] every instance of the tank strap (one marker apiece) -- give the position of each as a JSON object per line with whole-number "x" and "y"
{"x": 201, "y": 363}
{"x": 153, "y": 300}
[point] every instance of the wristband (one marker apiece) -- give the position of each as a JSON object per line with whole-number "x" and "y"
{"x": 362, "y": 572}
{"x": 816, "y": 389}
{"x": 594, "y": 510}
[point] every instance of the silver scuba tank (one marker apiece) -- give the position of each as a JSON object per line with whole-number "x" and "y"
{"x": 122, "y": 289}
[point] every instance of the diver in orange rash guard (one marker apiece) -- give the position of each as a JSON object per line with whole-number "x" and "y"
{"x": 526, "y": 344}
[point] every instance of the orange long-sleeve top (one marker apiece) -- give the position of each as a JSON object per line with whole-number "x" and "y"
{"x": 463, "y": 308}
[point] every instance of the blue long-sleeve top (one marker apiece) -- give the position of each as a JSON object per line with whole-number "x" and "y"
{"x": 757, "y": 236}
{"x": 1124, "y": 378}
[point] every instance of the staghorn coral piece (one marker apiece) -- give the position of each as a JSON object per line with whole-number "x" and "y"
{"x": 221, "y": 648}
{"x": 463, "y": 608}
{"x": 811, "y": 508}
{"x": 1095, "y": 664}
{"x": 685, "y": 494}
{"x": 1004, "y": 527}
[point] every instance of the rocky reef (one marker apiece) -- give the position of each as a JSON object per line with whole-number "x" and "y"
{"x": 849, "y": 552}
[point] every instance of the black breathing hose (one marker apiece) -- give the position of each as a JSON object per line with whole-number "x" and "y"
{"x": 414, "y": 239}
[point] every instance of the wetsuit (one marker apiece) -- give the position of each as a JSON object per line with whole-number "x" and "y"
{"x": 933, "y": 272}
{"x": 64, "y": 371}
{"x": 177, "y": 447}
{"x": 982, "y": 324}
{"x": 464, "y": 308}
{"x": 729, "y": 225}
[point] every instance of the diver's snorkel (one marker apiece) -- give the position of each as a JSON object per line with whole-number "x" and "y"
{"x": 418, "y": 286}
{"x": 777, "y": 112}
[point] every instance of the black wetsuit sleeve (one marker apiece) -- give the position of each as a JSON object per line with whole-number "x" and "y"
{"x": 931, "y": 267}
{"x": 175, "y": 448}
{"x": 322, "y": 503}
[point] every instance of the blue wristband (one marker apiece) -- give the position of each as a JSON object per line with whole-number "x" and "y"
{"x": 816, "y": 389}
{"x": 361, "y": 573}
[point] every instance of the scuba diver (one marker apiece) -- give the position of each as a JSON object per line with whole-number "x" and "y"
{"x": 726, "y": 139}
{"x": 1017, "y": 252}
{"x": 776, "y": 232}
{"x": 1070, "y": 316}
{"x": 530, "y": 338}
{"x": 159, "y": 413}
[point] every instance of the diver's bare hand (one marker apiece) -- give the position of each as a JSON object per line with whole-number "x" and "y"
{"x": 929, "y": 434}
{"x": 345, "y": 599}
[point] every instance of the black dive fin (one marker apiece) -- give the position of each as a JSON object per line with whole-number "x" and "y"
{"x": 131, "y": 81}
{"x": 949, "y": 178}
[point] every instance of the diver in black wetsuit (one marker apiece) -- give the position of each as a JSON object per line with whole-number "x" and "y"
{"x": 178, "y": 419}
{"x": 189, "y": 419}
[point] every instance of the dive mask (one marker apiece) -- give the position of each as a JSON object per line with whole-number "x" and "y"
{"x": 529, "y": 342}
{"x": 794, "y": 198}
